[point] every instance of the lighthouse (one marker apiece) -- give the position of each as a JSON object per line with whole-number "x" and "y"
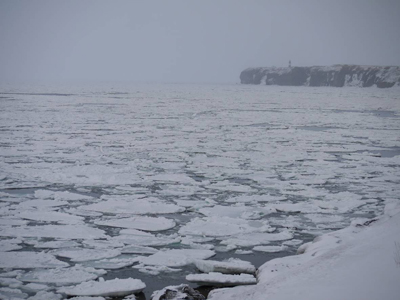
{"x": 290, "y": 64}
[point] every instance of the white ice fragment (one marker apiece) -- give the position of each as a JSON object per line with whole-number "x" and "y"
{"x": 28, "y": 260}
{"x": 254, "y": 239}
{"x": 11, "y": 294}
{"x": 64, "y": 195}
{"x": 111, "y": 263}
{"x": 40, "y": 204}
{"x": 62, "y": 276}
{"x": 222, "y": 226}
{"x": 50, "y": 216}
{"x": 108, "y": 288}
{"x": 243, "y": 252}
{"x": 155, "y": 270}
{"x": 147, "y": 240}
{"x": 102, "y": 244}
{"x": 135, "y": 206}
{"x": 193, "y": 204}
{"x": 83, "y": 213}
{"x": 132, "y": 249}
{"x": 231, "y": 266}
{"x": 79, "y": 254}
{"x": 56, "y": 244}
{"x": 270, "y": 249}
{"x": 243, "y": 212}
{"x": 43, "y": 295}
{"x": 12, "y": 221}
{"x": 10, "y": 282}
{"x": 141, "y": 223}
{"x": 54, "y": 231}
{"x": 11, "y": 274}
{"x": 9, "y": 245}
{"x": 176, "y": 257}
{"x": 219, "y": 279}
{"x": 35, "y": 287}
{"x": 293, "y": 242}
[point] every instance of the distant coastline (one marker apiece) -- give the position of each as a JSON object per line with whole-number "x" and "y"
{"x": 336, "y": 75}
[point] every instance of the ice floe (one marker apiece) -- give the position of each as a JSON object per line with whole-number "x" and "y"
{"x": 147, "y": 239}
{"x": 132, "y": 249}
{"x": 62, "y": 276}
{"x": 176, "y": 257}
{"x": 10, "y": 245}
{"x": 54, "y": 231}
{"x": 40, "y": 204}
{"x": 230, "y": 266}
{"x": 219, "y": 279}
{"x": 63, "y": 195}
{"x": 243, "y": 212}
{"x": 43, "y": 295}
{"x": 223, "y": 226}
{"x": 140, "y": 222}
{"x": 11, "y": 294}
{"x": 254, "y": 239}
{"x": 149, "y": 205}
{"x": 29, "y": 260}
{"x": 155, "y": 270}
{"x": 112, "y": 263}
{"x": 50, "y": 216}
{"x": 56, "y": 244}
{"x": 108, "y": 288}
{"x": 270, "y": 248}
{"x": 80, "y": 255}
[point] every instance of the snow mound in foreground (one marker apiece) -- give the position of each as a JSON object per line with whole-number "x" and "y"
{"x": 357, "y": 262}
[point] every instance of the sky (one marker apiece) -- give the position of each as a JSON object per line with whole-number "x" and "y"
{"x": 189, "y": 41}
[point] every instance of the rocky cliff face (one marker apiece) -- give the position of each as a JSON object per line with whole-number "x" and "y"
{"x": 337, "y": 75}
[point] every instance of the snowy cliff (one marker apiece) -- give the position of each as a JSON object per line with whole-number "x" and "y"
{"x": 337, "y": 75}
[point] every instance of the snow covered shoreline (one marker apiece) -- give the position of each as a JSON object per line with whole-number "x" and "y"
{"x": 358, "y": 262}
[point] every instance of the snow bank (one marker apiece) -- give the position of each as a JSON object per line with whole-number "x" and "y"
{"x": 355, "y": 263}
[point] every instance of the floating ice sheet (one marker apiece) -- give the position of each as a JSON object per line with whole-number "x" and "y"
{"x": 176, "y": 257}
{"x": 79, "y": 255}
{"x": 142, "y": 223}
{"x": 28, "y": 260}
{"x": 242, "y": 212}
{"x": 270, "y": 248}
{"x": 109, "y": 288}
{"x": 219, "y": 279}
{"x": 254, "y": 239}
{"x": 231, "y": 266}
{"x": 54, "y": 231}
{"x": 62, "y": 276}
{"x": 134, "y": 206}
{"x": 223, "y": 226}
{"x": 11, "y": 294}
{"x": 112, "y": 263}
{"x": 50, "y": 216}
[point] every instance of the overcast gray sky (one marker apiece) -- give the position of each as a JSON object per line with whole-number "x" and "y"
{"x": 190, "y": 41}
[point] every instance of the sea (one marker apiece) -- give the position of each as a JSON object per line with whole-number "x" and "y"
{"x": 129, "y": 180}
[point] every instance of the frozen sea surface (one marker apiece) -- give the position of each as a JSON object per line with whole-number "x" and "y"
{"x": 124, "y": 174}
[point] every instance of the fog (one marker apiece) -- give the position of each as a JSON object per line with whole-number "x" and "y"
{"x": 189, "y": 41}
